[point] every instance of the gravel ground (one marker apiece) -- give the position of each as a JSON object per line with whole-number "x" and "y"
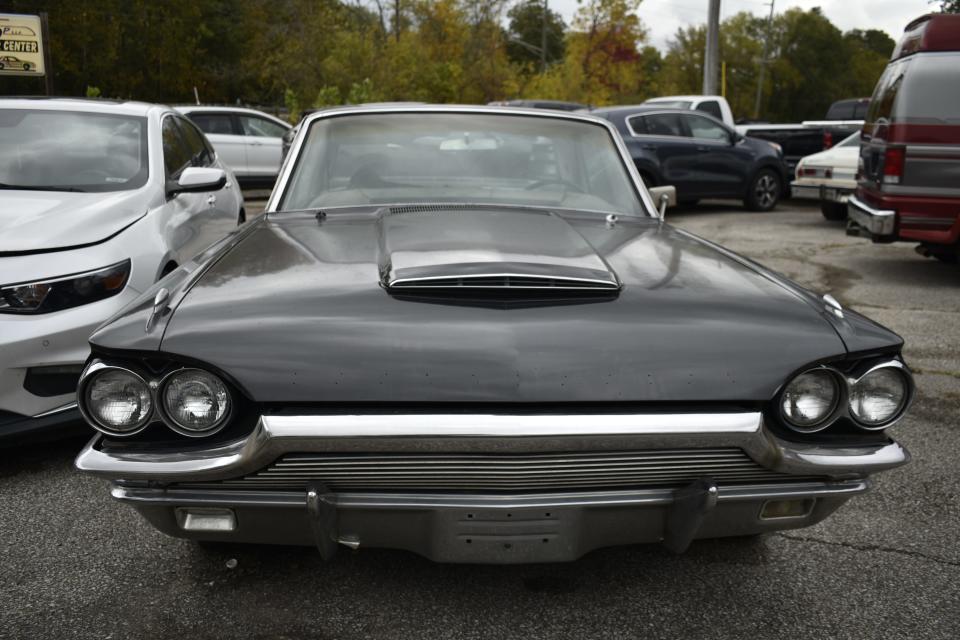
{"x": 74, "y": 564}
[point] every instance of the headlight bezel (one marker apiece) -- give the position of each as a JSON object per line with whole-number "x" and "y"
{"x": 847, "y": 378}
{"x": 62, "y": 292}
{"x": 862, "y": 372}
{"x": 839, "y": 400}
{"x": 154, "y": 378}
{"x": 162, "y": 411}
{"x": 90, "y": 375}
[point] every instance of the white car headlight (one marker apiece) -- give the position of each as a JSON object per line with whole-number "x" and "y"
{"x": 195, "y": 402}
{"x": 878, "y": 397}
{"x": 809, "y": 400}
{"x": 45, "y": 296}
{"x": 117, "y": 401}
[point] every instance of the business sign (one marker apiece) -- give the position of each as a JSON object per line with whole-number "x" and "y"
{"x": 21, "y": 45}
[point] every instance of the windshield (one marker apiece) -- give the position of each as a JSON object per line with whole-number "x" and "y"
{"x": 71, "y": 151}
{"x": 394, "y": 158}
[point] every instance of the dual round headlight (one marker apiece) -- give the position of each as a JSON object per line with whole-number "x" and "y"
{"x": 812, "y": 400}
{"x": 120, "y": 402}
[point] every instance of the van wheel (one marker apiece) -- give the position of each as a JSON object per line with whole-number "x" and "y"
{"x": 834, "y": 210}
{"x": 763, "y": 192}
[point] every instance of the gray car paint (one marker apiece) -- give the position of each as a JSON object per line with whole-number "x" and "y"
{"x": 293, "y": 309}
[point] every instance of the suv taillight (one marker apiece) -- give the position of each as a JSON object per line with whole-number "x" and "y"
{"x": 827, "y": 139}
{"x": 893, "y": 159}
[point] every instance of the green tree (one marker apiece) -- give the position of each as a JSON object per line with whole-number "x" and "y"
{"x": 527, "y": 28}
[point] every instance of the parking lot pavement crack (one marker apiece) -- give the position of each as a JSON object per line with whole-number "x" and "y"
{"x": 871, "y": 547}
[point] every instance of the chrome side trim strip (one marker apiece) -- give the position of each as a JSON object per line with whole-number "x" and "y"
{"x": 53, "y": 412}
{"x": 275, "y": 436}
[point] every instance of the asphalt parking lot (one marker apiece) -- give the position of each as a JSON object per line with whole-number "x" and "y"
{"x": 74, "y": 564}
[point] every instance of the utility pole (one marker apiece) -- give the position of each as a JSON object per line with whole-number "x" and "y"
{"x": 543, "y": 39}
{"x": 711, "y": 55}
{"x": 763, "y": 63}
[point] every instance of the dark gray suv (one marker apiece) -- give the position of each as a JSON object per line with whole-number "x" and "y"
{"x": 700, "y": 156}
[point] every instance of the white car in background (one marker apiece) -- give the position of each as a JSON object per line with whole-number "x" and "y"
{"x": 249, "y": 141}
{"x": 830, "y": 177}
{"x": 98, "y": 201}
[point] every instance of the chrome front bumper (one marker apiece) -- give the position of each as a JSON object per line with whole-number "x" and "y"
{"x": 821, "y": 192}
{"x": 537, "y": 525}
{"x": 865, "y": 220}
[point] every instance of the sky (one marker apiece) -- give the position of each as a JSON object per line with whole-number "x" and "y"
{"x": 663, "y": 17}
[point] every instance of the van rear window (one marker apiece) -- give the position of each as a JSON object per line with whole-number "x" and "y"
{"x": 921, "y": 89}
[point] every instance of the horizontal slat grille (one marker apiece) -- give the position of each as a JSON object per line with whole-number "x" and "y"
{"x": 513, "y": 472}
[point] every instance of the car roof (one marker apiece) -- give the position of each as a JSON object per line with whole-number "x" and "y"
{"x": 630, "y": 110}
{"x": 207, "y": 108}
{"x": 687, "y": 97}
{"x": 930, "y": 32}
{"x": 454, "y": 108}
{"x": 92, "y": 105}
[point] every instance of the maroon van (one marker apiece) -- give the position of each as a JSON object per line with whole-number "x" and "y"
{"x": 908, "y": 185}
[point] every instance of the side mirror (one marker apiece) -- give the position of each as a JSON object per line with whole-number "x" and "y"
{"x": 197, "y": 180}
{"x": 664, "y": 197}
{"x": 736, "y": 137}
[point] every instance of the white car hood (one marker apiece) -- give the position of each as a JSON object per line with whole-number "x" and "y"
{"x": 47, "y": 220}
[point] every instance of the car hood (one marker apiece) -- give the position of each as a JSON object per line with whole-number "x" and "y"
{"x": 298, "y": 311}
{"x": 33, "y": 221}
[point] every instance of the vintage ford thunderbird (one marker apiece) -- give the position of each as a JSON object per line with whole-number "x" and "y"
{"x": 468, "y": 333}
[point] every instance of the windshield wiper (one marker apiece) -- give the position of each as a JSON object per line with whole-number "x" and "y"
{"x": 39, "y": 187}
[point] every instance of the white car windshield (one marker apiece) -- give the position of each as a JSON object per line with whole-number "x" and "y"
{"x": 393, "y": 158}
{"x": 46, "y": 150}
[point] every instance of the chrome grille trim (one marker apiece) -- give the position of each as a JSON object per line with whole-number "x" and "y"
{"x": 503, "y": 281}
{"x": 458, "y": 472}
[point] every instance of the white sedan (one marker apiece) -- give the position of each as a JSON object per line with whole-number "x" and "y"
{"x": 98, "y": 201}
{"x": 249, "y": 141}
{"x": 830, "y": 177}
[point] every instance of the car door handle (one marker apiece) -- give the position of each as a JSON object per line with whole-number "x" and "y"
{"x": 256, "y": 143}
{"x": 703, "y": 148}
{"x": 649, "y": 147}
{"x": 211, "y": 200}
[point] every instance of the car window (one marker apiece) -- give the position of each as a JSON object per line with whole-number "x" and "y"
{"x": 200, "y": 153}
{"x": 712, "y": 107}
{"x": 72, "y": 150}
{"x": 637, "y": 125}
{"x": 842, "y": 110}
{"x": 705, "y": 129}
{"x": 885, "y": 94}
{"x": 176, "y": 154}
{"x": 254, "y": 126}
{"x": 860, "y": 110}
{"x": 853, "y": 140}
{"x": 217, "y": 123}
{"x": 664, "y": 124}
{"x": 930, "y": 91}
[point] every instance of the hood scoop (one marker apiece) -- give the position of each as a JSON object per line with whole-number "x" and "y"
{"x": 472, "y": 250}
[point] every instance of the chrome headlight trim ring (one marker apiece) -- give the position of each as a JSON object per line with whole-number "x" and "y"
{"x": 839, "y": 403}
{"x": 93, "y": 371}
{"x": 862, "y": 373}
{"x": 173, "y": 425}
{"x": 846, "y": 384}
